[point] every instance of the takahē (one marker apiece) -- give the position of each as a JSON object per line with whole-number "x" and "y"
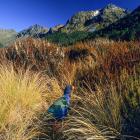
{"x": 59, "y": 109}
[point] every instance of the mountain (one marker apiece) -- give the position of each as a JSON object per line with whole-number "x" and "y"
{"x": 81, "y": 25}
{"x": 32, "y": 31}
{"x": 108, "y": 15}
{"x": 94, "y": 20}
{"x": 7, "y": 37}
{"x": 77, "y": 21}
{"x": 55, "y": 29}
{"x": 110, "y": 21}
{"x": 127, "y": 28}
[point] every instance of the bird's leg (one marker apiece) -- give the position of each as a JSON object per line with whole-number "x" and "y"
{"x": 54, "y": 126}
{"x": 57, "y": 126}
{"x": 62, "y": 124}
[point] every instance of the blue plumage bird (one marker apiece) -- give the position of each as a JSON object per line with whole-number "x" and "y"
{"x": 59, "y": 109}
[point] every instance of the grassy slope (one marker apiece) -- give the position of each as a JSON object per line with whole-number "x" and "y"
{"x": 105, "y": 104}
{"x": 7, "y": 37}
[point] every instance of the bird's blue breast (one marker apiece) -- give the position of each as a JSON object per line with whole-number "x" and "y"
{"x": 67, "y": 98}
{"x": 60, "y": 113}
{"x": 67, "y": 90}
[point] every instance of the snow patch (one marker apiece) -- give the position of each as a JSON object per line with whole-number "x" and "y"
{"x": 96, "y": 13}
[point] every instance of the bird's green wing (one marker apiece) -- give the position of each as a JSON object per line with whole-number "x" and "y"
{"x": 60, "y": 103}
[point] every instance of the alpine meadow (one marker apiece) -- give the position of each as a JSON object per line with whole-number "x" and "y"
{"x": 75, "y": 81}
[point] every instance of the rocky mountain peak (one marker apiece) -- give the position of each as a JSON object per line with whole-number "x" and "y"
{"x": 94, "y": 20}
{"x": 111, "y": 6}
{"x": 108, "y": 15}
{"x": 32, "y": 31}
{"x": 36, "y": 27}
{"x": 77, "y": 21}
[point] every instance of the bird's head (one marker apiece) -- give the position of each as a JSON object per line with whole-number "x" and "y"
{"x": 68, "y": 89}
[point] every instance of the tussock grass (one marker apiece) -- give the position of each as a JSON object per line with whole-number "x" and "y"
{"x": 24, "y": 97}
{"x": 105, "y": 104}
{"x": 95, "y": 116}
{"x": 107, "y": 113}
{"x": 21, "y": 98}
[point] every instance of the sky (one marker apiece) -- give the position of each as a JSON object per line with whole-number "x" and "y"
{"x": 20, "y": 14}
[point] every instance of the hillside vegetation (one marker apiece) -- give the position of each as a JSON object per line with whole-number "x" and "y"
{"x": 7, "y": 37}
{"x": 66, "y": 39}
{"x": 105, "y": 104}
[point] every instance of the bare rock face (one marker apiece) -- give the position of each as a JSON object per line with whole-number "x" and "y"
{"x": 76, "y": 23}
{"x": 32, "y": 31}
{"x": 57, "y": 28}
{"x": 108, "y": 15}
{"x": 127, "y": 28}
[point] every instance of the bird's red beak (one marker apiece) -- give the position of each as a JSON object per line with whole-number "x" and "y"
{"x": 73, "y": 88}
